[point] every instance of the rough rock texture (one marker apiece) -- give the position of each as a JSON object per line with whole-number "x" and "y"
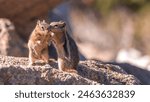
{"x": 24, "y": 13}
{"x": 15, "y": 70}
{"x": 141, "y": 73}
{"x": 10, "y": 42}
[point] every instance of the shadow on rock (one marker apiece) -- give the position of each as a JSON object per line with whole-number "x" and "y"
{"x": 142, "y": 74}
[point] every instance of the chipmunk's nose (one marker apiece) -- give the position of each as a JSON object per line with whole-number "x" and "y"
{"x": 49, "y": 28}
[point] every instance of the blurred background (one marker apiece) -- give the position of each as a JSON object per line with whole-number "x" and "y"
{"x": 106, "y": 30}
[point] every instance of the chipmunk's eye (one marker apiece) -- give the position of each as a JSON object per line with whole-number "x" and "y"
{"x": 42, "y": 28}
{"x": 56, "y": 26}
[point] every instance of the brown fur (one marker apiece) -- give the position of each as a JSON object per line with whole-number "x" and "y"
{"x": 38, "y": 43}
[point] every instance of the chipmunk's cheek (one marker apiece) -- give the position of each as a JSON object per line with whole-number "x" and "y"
{"x": 38, "y": 42}
{"x": 52, "y": 34}
{"x": 46, "y": 31}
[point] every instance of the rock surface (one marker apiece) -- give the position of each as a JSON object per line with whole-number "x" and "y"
{"x": 10, "y": 43}
{"x": 15, "y": 70}
{"x": 141, "y": 73}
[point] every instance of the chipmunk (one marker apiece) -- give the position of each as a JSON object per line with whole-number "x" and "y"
{"x": 38, "y": 43}
{"x": 67, "y": 51}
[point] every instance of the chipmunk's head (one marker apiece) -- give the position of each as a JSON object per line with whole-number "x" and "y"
{"x": 42, "y": 27}
{"x": 57, "y": 31}
{"x": 57, "y": 27}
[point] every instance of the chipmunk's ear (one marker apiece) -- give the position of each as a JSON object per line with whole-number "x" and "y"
{"x": 38, "y": 22}
{"x": 64, "y": 26}
{"x": 63, "y": 23}
{"x": 43, "y": 21}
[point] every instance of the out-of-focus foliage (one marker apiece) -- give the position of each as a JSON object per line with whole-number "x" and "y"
{"x": 135, "y": 5}
{"x": 139, "y": 12}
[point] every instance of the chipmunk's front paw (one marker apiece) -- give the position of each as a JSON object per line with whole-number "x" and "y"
{"x": 31, "y": 64}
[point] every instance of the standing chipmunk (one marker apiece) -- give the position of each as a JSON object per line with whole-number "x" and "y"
{"x": 38, "y": 43}
{"x": 67, "y": 51}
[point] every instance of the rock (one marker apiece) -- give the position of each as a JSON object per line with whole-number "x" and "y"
{"x": 15, "y": 70}
{"x": 24, "y": 13}
{"x": 10, "y": 42}
{"x": 141, "y": 73}
{"x": 105, "y": 73}
{"x": 135, "y": 63}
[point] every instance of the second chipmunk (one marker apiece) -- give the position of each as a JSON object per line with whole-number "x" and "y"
{"x": 67, "y": 51}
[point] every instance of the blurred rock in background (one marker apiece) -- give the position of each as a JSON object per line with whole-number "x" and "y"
{"x": 24, "y": 13}
{"x": 134, "y": 57}
{"x": 10, "y": 42}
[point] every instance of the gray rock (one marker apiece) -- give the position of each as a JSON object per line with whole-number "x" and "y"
{"x": 15, "y": 70}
